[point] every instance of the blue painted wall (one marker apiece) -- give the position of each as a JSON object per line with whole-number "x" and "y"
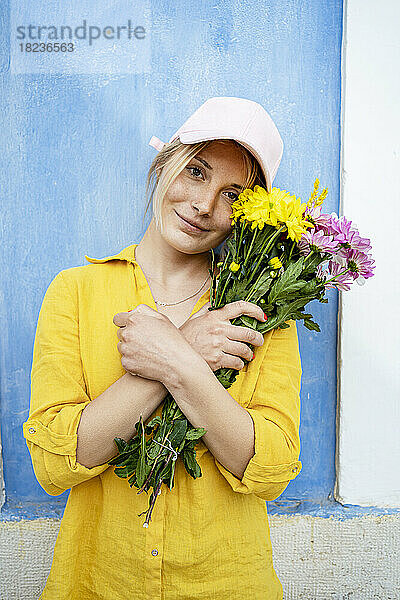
{"x": 75, "y": 155}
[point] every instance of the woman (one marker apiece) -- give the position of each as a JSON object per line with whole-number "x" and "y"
{"x": 113, "y": 337}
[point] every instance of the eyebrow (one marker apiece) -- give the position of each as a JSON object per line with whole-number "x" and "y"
{"x": 205, "y": 163}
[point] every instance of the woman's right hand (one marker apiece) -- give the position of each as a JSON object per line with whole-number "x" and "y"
{"x": 220, "y": 343}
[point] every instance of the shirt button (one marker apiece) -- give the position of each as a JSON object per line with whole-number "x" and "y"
{"x": 32, "y": 430}
{"x": 154, "y": 552}
{"x": 294, "y": 470}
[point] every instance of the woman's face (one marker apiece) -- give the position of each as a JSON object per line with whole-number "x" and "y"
{"x": 203, "y": 193}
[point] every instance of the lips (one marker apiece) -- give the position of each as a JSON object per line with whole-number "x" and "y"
{"x": 193, "y": 223}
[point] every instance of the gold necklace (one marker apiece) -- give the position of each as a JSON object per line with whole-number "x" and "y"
{"x": 174, "y": 303}
{"x": 180, "y": 301}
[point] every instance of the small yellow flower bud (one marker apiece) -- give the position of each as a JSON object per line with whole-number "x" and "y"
{"x": 314, "y": 193}
{"x": 262, "y": 301}
{"x": 272, "y": 274}
{"x": 275, "y": 263}
{"x": 234, "y": 267}
{"x": 321, "y": 197}
{"x": 219, "y": 264}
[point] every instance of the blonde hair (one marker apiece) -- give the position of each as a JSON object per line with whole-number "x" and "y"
{"x": 173, "y": 158}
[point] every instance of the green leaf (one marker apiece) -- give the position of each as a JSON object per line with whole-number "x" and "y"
{"x": 132, "y": 480}
{"x": 311, "y": 325}
{"x": 141, "y": 471}
{"x": 195, "y": 434}
{"x": 153, "y": 450}
{"x": 283, "y": 314}
{"x": 288, "y": 277}
{"x": 191, "y": 465}
{"x": 240, "y": 289}
{"x": 181, "y": 446}
{"x": 166, "y": 471}
{"x": 311, "y": 288}
{"x": 125, "y": 457}
{"x": 171, "y": 478}
{"x": 189, "y": 445}
{"x": 141, "y": 465}
{"x": 248, "y": 321}
{"x": 138, "y": 426}
{"x": 178, "y": 432}
{"x": 227, "y": 377}
{"x": 263, "y": 284}
{"x": 120, "y": 443}
{"x": 311, "y": 265}
{"x": 230, "y": 295}
{"x": 121, "y": 472}
{"x": 133, "y": 443}
{"x": 153, "y": 424}
{"x": 280, "y": 295}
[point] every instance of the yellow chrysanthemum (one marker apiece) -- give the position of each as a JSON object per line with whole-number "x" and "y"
{"x": 276, "y": 208}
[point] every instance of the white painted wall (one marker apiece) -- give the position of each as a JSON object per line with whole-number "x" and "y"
{"x": 368, "y": 450}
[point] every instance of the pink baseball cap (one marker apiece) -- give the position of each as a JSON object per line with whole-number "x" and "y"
{"x": 227, "y": 117}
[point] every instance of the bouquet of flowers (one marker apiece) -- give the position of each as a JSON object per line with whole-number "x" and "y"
{"x": 281, "y": 255}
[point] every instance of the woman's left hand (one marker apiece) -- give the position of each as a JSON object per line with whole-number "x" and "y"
{"x": 150, "y": 344}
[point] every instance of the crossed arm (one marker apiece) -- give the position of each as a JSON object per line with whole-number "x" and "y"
{"x": 70, "y": 437}
{"x": 184, "y": 373}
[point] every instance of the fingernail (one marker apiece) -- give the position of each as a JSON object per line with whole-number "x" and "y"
{"x": 265, "y": 317}
{"x": 253, "y": 356}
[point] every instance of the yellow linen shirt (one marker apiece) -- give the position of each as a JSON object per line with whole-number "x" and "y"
{"x": 208, "y": 538}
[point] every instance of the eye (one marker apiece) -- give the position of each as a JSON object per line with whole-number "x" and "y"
{"x": 194, "y": 168}
{"x": 235, "y": 196}
{"x": 195, "y": 171}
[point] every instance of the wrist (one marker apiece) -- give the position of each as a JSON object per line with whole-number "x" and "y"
{"x": 180, "y": 371}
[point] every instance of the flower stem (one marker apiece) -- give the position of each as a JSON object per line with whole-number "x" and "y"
{"x": 251, "y": 245}
{"x": 291, "y": 251}
{"x": 266, "y": 249}
{"x": 242, "y": 228}
{"x": 223, "y": 291}
{"x": 336, "y": 276}
{"x": 217, "y": 291}
{"x": 155, "y": 495}
{"x": 155, "y": 463}
{"x": 249, "y": 295}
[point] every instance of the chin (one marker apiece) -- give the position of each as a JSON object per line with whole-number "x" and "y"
{"x": 187, "y": 244}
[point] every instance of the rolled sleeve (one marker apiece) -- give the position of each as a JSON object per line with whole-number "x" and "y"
{"x": 58, "y": 394}
{"x": 275, "y": 411}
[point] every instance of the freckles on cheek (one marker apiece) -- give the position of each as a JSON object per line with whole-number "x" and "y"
{"x": 180, "y": 190}
{"x": 224, "y": 226}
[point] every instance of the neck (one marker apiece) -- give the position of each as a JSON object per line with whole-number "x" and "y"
{"x": 171, "y": 266}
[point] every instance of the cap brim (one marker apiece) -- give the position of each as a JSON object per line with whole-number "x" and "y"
{"x": 192, "y": 137}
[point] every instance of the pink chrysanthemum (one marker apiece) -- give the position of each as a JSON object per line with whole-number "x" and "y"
{"x": 340, "y": 228}
{"x": 340, "y": 279}
{"x": 320, "y": 221}
{"x": 316, "y": 241}
{"x": 345, "y": 234}
{"x": 360, "y": 264}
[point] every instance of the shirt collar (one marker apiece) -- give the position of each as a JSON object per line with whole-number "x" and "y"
{"x": 127, "y": 254}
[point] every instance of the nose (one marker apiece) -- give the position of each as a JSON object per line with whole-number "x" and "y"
{"x": 203, "y": 204}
